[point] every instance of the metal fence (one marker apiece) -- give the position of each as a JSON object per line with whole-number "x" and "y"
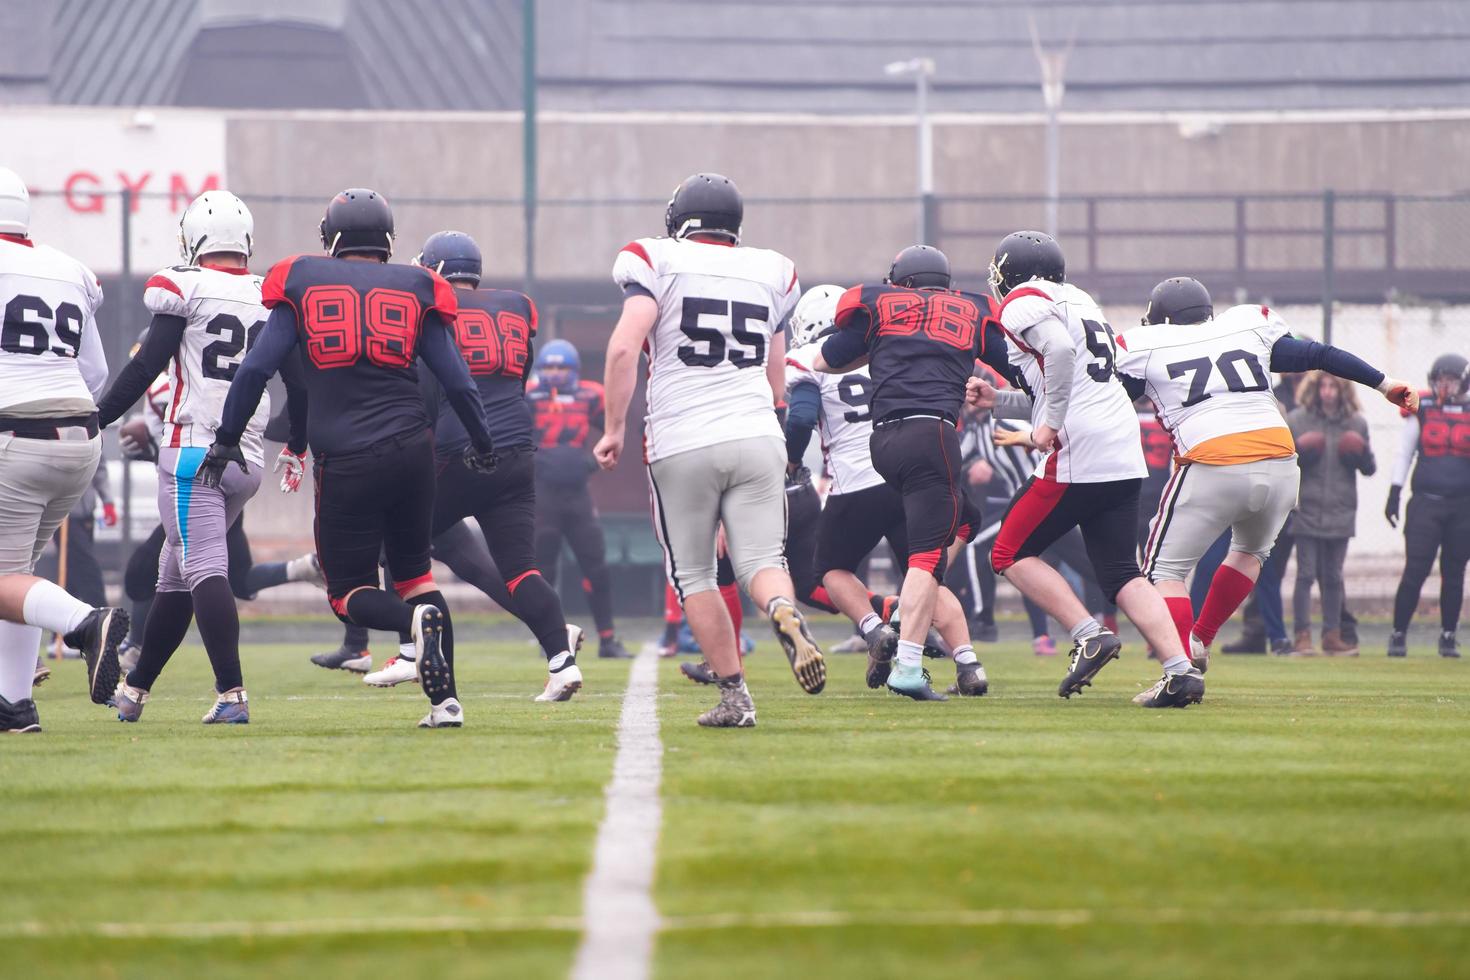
{"x": 1387, "y": 275}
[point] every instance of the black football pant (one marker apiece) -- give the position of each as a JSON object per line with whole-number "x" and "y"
{"x": 803, "y": 521}
{"x": 1434, "y": 525}
{"x": 567, "y": 513}
{"x": 503, "y": 503}
{"x": 919, "y": 456}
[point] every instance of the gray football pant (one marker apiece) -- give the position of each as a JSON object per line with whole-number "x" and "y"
{"x": 196, "y": 518}
{"x": 741, "y": 484}
{"x": 40, "y": 481}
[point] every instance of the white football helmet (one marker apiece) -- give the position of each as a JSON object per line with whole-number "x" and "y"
{"x": 217, "y": 221}
{"x": 15, "y": 204}
{"x": 815, "y": 314}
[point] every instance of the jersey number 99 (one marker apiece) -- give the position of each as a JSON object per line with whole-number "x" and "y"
{"x": 341, "y": 326}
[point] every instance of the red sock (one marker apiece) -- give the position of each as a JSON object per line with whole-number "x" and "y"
{"x": 1183, "y": 614}
{"x": 673, "y": 612}
{"x": 1228, "y": 590}
{"x": 731, "y": 594}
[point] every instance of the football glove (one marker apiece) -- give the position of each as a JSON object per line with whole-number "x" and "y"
{"x": 799, "y": 477}
{"x": 1391, "y": 509}
{"x": 481, "y": 461}
{"x": 212, "y": 470}
{"x": 295, "y": 469}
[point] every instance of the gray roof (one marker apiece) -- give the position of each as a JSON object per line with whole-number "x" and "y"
{"x": 750, "y": 55}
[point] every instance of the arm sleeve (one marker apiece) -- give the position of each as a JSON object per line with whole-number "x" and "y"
{"x": 1053, "y": 345}
{"x": 1408, "y": 446}
{"x": 993, "y": 352}
{"x": 844, "y": 347}
{"x": 275, "y": 343}
{"x": 443, "y": 358}
{"x": 1134, "y": 386}
{"x": 1292, "y": 356}
{"x": 164, "y": 333}
{"x": 293, "y": 376}
{"x": 803, "y": 404}
{"x": 1012, "y": 405}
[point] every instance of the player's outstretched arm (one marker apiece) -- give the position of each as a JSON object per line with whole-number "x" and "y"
{"x": 162, "y": 343}
{"x": 1290, "y": 355}
{"x": 444, "y": 359}
{"x": 640, "y": 312}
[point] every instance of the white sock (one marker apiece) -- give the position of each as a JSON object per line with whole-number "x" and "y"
{"x": 1177, "y": 665}
{"x": 19, "y": 644}
{"x": 910, "y": 654}
{"x": 406, "y": 651}
{"x": 50, "y": 607}
{"x": 1086, "y": 629}
{"x": 869, "y": 623}
{"x": 965, "y": 655}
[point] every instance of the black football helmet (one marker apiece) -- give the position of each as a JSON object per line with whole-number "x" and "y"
{"x": 1451, "y": 366}
{"x": 920, "y": 267}
{"x": 1179, "y": 300}
{"x": 358, "y": 220}
{"x": 1025, "y": 255}
{"x": 705, "y": 204}
{"x": 452, "y": 254}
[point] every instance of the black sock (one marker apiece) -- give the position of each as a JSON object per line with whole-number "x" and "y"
{"x": 535, "y": 603}
{"x": 168, "y": 623}
{"x": 734, "y": 680}
{"x": 219, "y": 628}
{"x": 266, "y": 575}
{"x": 379, "y": 610}
{"x": 138, "y": 618}
{"x": 355, "y": 638}
{"x": 878, "y": 602}
{"x": 446, "y": 638}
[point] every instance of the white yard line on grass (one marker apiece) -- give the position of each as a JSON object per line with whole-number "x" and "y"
{"x": 618, "y": 914}
{"x": 814, "y": 919}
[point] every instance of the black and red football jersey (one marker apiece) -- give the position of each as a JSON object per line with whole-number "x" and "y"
{"x": 1443, "y": 466}
{"x": 494, "y": 331}
{"x": 564, "y": 420}
{"x": 922, "y": 345}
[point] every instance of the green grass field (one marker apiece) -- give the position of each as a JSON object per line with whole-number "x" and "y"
{"x": 1311, "y": 819}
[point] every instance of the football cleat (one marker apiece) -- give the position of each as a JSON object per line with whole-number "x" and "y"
{"x": 1174, "y": 691}
{"x": 42, "y": 673}
{"x": 611, "y": 648}
{"x": 1398, "y": 644}
{"x": 934, "y": 646}
{"x": 427, "y": 632}
{"x": 562, "y": 684}
{"x": 128, "y": 654}
{"x": 343, "y": 658}
{"x": 700, "y": 673}
{"x": 1199, "y": 654}
{"x": 19, "y": 717}
{"x": 98, "y": 638}
{"x": 853, "y": 644}
{"x": 668, "y": 644}
{"x": 913, "y": 682}
{"x": 230, "y": 708}
{"x": 1088, "y": 657}
{"x": 129, "y": 701}
{"x": 882, "y": 645}
{"x": 801, "y": 650}
{"x": 307, "y": 568}
{"x": 984, "y": 632}
{"x": 398, "y": 670}
{"x": 970, "y": 680}
{"x": 1449, "y": 645}
{"x": 445, "y": 714}
{"x": 1044, "y": 646}
{"x": 735, "y": 710}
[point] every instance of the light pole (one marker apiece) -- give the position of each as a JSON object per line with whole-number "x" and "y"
{"x": 922, "y": 69}
{"x": 1053, "y": 86}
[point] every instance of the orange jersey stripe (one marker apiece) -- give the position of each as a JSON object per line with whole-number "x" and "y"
{"x": 1244, "y": 447}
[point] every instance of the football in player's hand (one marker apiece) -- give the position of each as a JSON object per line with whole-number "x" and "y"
{"x": 134, "y": 439}
{"x": 1311, "y": 443}
{"x": 1351, "y": 444}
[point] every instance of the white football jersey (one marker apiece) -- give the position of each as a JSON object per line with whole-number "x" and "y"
{"x": 1211, "y": 383}
{"x": 51, "y": 359}
{"x": 718, "y": 308}
{"x": 223, "y": 316}
{"x": 1099, "y": 436}
{"x": 845, "y": 422}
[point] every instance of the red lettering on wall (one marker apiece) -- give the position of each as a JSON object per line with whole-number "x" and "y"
{"x": 90, "y": 202}
{"x": 137, "y": 188}
{"x": 179, "y": 195}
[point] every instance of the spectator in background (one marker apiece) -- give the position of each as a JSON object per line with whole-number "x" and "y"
{"x": 1332, "y": 442}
